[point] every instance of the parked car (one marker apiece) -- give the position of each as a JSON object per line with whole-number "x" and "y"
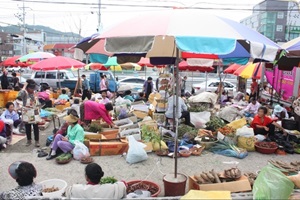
{"x": 54, "y": 77}
{"x": 135, "y": 83}
{"x": 212, "y": 86}
{"x": 15, "y": 69}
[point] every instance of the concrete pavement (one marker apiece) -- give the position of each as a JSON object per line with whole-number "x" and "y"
{"x": 153, "y": 169}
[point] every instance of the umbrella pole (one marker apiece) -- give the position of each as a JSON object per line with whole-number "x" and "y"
{"x": 261, "y": 79}
{"x": 177, "y": 110}
{"x": 59, "y": 80}
{"x": 273, "y": 84}
{"x": 205, "y": 81}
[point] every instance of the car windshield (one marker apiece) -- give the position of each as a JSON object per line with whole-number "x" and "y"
{"x": 70, "y": 74}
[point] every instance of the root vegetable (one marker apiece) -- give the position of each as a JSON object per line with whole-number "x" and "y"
{"x": 211, "y": 177}
{"x": 217, "y": 179}
{"x": 204, "y": 176}
{"x": 199, "y": 179}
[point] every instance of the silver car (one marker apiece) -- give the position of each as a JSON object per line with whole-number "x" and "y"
{"x": 53, "y": 77}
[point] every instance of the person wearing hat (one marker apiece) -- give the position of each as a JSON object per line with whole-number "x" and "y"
{"x": 128, "y": 96}
{"x": 23, "y": 173}
{"x": 27, "y": 94}
{"x": 86, "y": 88}
{"x": 93, "y": 189}
{"x": 280, "y": 112}
{"x": 148, "y": 87}
{"x": 74, "y": 133}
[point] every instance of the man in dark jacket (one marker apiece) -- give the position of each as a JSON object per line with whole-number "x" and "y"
{"x": 4, "y": 80}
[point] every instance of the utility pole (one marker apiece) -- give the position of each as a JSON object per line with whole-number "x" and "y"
{"x": 24, "y": 30}
{"x": 99, "y": 16}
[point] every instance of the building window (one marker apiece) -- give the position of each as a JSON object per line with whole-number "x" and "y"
{"x": 279, "y": 28}
{"x": 280, "y": 15}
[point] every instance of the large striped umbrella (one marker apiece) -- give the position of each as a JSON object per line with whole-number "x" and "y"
{"x": 35, "y": 57}
{"x": 251, "y": 70}
{"x": 232, "y": 68}
{"x": 185, "y": 33}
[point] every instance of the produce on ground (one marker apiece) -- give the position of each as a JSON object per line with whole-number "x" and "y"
{"x": 183, "y": 129}
{"x": 108, "y": 180}
{"x": 215, "y": 123}
{"x": 51, "y": 189}
{"x": 64, "y": 157}
{"x": 142, "y": 186}
{"x": 233, "y": 173}
{"x": 227, "y": 131}
{"x": 285, "y": 167}
{"x": 222, "y": 145}
{"x": 199, "y": 108}
{"x": 94, "y": 128}
{"x": 267, "y": 145}
{"x": 208, "y": 177}
{"x": 203, "y": 132}
{"x": 251, "y": 177}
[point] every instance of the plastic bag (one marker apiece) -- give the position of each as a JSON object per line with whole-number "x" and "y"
{"x": 136, "y": 152}
{"x": 247, "y": 143}
{"x": 199, "y": 119}
{"x": 80, "y": 151}
{"x": 232, "y": 153}
{"x": 245, "y": 132}
{"x": 271, "y": 183}
{"x": 239, "y": 123}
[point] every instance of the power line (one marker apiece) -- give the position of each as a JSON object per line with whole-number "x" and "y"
{"x": 151, "y": 6}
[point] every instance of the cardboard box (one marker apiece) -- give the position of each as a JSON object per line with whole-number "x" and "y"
{"x": 136, "y": 133}
{"x": 110, "y": 134}
{"x": 240, "y": 185}
{"x": 140, "y": 114}
{"x": 99, "y": 145}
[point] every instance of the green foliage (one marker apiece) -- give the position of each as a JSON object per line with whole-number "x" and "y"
{"x": 183, "y": 129}
{"x": 108, "y": 180}
{"x": 94, "y": 128}
{"x": 149, "y": 134}
{"x": 215, "y": 123}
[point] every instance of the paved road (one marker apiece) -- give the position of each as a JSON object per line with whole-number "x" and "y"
{"x": 192, "y": 77}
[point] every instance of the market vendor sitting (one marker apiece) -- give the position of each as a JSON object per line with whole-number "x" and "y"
{"x": 127, "y": 95}
{"x": 280, "y": 112}
{"x": 93, "y": 189}
{"x": 90, "y": 110}
{"x": 24, "y": 174}
{"x": 264, "y": 125}
{"x": 11, "y": 118}
{"x": 3, "y": 139}
{"x": 44, "y": 96}
{"x": 74, "y": 133}
{"x": 252, "y": 108}
{"x": 63, "y": 95}
{"x": 183, "y": 110}
{"x": 104, "y": 99}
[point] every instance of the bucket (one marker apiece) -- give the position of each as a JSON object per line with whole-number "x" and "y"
{"x": 174, "y": 187}
{"x": 60, "y": 184}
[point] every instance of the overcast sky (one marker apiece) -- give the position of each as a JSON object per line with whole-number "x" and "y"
{"x": 75, "y": 15}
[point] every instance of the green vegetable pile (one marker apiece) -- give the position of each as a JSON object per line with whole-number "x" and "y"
{"x": 215, "y": 123}
{"x": 183, "y": 129}
{"x": 108, "y": 180}
{"x": 149, "y": 134}
{"x": 94, "y": 128}
{"x": 64, "y": 157}
{"x": 199, "y": 108}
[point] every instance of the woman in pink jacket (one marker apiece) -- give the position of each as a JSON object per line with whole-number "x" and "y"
{"x": 92, "y": 110}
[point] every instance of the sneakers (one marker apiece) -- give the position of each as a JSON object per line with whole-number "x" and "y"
{"x": 37, "y": 144}
{"x": 28, "y": 143}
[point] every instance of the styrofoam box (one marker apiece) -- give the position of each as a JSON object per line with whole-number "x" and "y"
{"x": 136, "y": 133}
